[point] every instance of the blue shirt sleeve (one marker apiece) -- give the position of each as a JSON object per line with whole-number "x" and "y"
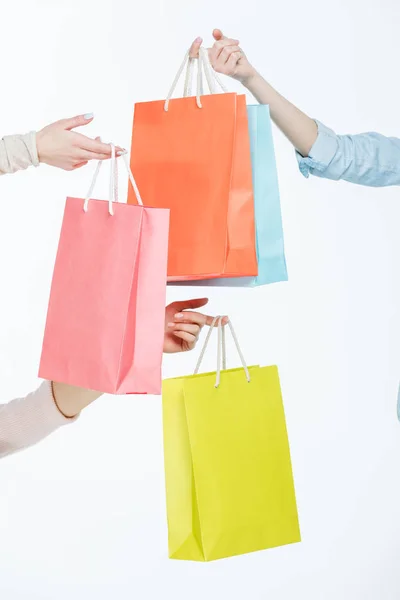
{"x": 367, "y": 159}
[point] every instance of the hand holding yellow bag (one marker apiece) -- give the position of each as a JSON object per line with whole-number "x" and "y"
{"x": 229, "y": 478}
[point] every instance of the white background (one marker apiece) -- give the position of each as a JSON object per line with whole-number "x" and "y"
{"x": 82, "y": 515}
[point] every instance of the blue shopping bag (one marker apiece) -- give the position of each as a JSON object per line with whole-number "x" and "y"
{"x": 269, "y": 231}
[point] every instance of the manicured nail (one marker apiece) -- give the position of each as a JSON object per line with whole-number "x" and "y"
{"x": 88, "y": 116}
{"x": 121, "y": 152}
{"x": 179, "y": 316}
{"x": 198, "y": 40}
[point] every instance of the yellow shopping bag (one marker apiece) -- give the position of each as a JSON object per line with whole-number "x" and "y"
{"x": 229, "y": 479}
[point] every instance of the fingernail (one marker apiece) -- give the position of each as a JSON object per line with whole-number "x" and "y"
{"x": 198, "y": 40}
{"x": 171, "y": 325}
{"x": 121, "y": 152}
{"x": 88, "y": 116}
{"x": 179, "y": 316}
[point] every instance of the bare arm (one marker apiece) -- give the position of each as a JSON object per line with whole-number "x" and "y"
{"x": 300, "y": 130}
{"x": 369, "y": 158}
{"x": 27, "y": 420}
{"x": 56, "y": 145}
{"x": 228, "y": 58}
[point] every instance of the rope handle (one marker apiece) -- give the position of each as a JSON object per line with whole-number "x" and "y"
{"x": 113, "y": 186}
{"x": 203, "y": 66}
{"x": 188, "y": 62}
{"x": 221, "y": 349}
{"x": 187, "y": 88}
{"x": 210, "y": 73}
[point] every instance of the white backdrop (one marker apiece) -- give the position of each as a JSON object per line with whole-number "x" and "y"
{"x": 82, "y": 515}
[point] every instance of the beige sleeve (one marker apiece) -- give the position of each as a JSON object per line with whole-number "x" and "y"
{"x": 26, "y": 421}
{"x": 18, "y": 152}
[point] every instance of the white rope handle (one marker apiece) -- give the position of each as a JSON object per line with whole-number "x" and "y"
{"x": 113, "y": 187}
{"x": 210, "y": 73}
{"x": 91, "y": 188}
{"x": 203, "y": 65}
{"x": 113, "y": 193}
{"x": 132, "y": 179}
{"x": 206, "y": 69}
{"x": 186, "y": 63}
{"x": 242, "y": 359}
{"x": 187, "y": 89}
{"x": 223, "y": 341}
{"x": 189, "y": 78}
{"x": 221, "y": 350}
{"x": 203, "y": 350}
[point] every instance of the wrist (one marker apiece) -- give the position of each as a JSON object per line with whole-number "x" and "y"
{"x": 39, "y": 138}
{"x": 60, "y": 409}
{"x": 251, "y": 79}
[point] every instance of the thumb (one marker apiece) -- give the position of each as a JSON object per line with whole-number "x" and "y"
{"x": 194, "y": 303}
{"x": 77, "y": 121}
{"x": 218, "y": 35}
{"x": 195, "y": 47}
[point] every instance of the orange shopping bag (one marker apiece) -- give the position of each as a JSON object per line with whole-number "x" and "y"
{"x": 192, "y": 155}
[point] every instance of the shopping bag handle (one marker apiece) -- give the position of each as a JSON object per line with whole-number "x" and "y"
{"x": 188, "y": 62}
{"x": 211, "y": 75}
{"x": 221, "y": 349}
{"x": 203, "y": 66}
{"x": 113, "y": 189}
{"x": 207, "y": 69}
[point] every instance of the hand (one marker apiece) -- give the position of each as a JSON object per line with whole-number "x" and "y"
{"x": 183, "y": 327}
{"x": 226, "y": 57}
{"x": 60, "y": 147}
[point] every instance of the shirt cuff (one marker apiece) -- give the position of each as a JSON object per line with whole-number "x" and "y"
{"x": 322, "y": 152}
{"x": 30, "y": 140}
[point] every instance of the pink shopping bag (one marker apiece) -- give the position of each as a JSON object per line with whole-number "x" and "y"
{"x": 106, "y": 316}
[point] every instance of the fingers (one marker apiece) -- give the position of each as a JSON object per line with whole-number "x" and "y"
{"x": 192, "y": 317}
{"x": 224, "y": 321}
{"x": 188, "y": 332}
{"x": 198, "y": 318}
{"x": 219, "y": 46}
{"x": 193, "y": 303}
{"x": 95, "y": 146}
{"x": 195, "y": 47}
{"x": 79, "y": 165}
{"x": 188, "y": 338}
{"x": 77, "y": 121}
{"x": 233, "y": 60}
{"x": 218, "y": 35}
{"x": 85, "y": 155}
{"x": 230, "y": 55}
{"x": 190, "y": 328}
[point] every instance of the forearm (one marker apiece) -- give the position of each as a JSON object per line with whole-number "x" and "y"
{"x": 18, "y": 152}
{"x": 300, "y": 130}
{"x": 367, "y": 159}
{"x": 27, "y": 420}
